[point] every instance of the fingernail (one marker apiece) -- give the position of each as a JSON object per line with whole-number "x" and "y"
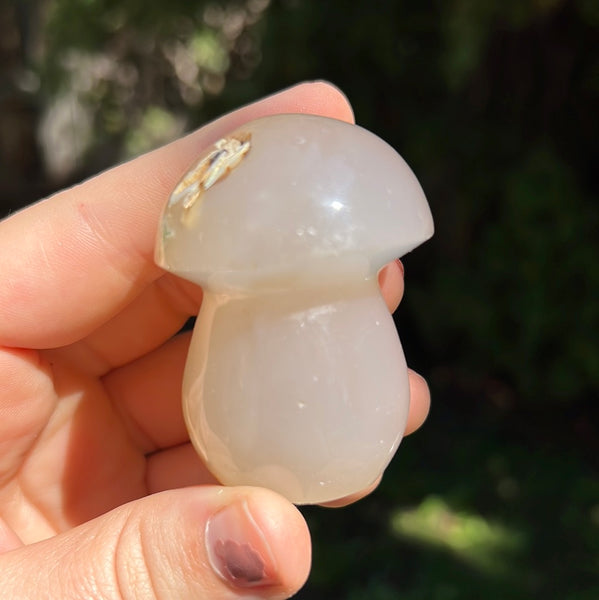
{"x": 401, "y": 267}
{"x": 237, "y": 548}
{"x": 385, "y": 271}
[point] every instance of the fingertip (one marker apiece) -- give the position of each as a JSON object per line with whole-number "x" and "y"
{"x": 332, "y": 100}
{"x": 288, "y": 537}
{"x": 420, "y": 402}
{"x": 391, "y": 282}
{"x": 256, "y": 542}
{"x": 314, "y": 98}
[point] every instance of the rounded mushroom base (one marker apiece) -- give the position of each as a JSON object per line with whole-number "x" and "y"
{"x": 305, "y": 393}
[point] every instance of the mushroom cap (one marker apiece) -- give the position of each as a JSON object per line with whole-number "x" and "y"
{"x": 292, "y": 198}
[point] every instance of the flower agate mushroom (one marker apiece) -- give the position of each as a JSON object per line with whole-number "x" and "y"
{"x": 295, "y": 378}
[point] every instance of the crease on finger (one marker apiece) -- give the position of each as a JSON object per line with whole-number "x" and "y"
{"x": 146, "y": 393}
{"x": 9, "y": 540}
{"x": 176, "y": 467}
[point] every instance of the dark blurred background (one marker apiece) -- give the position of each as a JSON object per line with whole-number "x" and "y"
{"x": 495, "y": 106}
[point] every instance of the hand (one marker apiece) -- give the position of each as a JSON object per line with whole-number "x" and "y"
{"x": 101, "y": 494}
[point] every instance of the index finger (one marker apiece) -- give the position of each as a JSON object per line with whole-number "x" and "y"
{"x": 73, "y": 261}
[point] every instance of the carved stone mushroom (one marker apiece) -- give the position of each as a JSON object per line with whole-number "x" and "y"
{"x": 295, "y": 378}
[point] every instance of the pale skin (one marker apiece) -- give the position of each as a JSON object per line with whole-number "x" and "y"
{"x": 101, "y": 494}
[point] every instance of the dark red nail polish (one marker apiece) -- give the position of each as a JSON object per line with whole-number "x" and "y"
{"x": 237, "y": 548}
{"x": 240, "y": 562}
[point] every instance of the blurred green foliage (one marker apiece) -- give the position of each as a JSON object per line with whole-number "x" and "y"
{"x": 495, "y": 105}
{"x": 466, "y": 512}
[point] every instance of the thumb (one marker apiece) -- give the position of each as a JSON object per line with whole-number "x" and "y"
{"x": 203, "y": 542}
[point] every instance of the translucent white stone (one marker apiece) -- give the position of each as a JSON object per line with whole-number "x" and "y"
{"x": 295, "y": 379}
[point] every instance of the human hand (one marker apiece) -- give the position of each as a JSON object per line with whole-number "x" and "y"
{"x": 101, "y": 493}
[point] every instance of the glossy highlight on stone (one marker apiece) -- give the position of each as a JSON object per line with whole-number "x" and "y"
{"x": 295, "y": 378}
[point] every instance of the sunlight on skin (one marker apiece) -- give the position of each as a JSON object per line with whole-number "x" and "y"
{"x": 90, "y": 412}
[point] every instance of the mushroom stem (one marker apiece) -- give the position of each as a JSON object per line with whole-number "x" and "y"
{"x": 319, "y": 374}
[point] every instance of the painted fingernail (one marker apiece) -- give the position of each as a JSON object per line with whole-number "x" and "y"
{"x": 237, "y": 548}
